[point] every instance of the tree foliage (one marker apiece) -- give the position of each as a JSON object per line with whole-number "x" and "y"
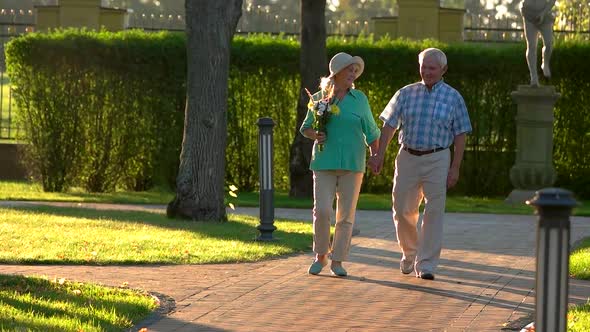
{"x": 573, "y": 15}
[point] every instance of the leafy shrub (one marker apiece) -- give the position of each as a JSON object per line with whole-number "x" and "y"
{"x": 101, "y": 110}
{"x": 105, "y": 110}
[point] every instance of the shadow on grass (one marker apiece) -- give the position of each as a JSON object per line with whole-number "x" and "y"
{"x": 154, "y": 218}
{"x": 239, "y": 228}
{"x": 41, "y": 290}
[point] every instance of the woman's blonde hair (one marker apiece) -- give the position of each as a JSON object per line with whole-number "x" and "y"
{"x": 327, "y": 86}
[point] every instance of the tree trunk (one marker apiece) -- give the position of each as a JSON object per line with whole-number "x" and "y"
{"x": 210, "y": 26}
{"x": 313, "y": 65}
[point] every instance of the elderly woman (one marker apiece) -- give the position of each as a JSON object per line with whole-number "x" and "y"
{"x": 338, "y": 158}
{"x": 537, "y": 17}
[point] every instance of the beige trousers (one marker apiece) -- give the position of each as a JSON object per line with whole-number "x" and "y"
{"x": 345, "y": 186}
{"x": 417, "y": 178}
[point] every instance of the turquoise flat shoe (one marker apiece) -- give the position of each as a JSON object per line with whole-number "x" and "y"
{"x": 339, "y": 271}
{"x": 317, "y": 266}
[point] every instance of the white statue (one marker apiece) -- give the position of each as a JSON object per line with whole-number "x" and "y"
{"x": 537, "y": 17}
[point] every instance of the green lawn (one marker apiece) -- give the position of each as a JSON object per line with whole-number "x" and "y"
{"x": 55, "y": 235}
{"x": 14, "y": 190}
{"x": 21, "y": 190}
{"x": 51, "y": 235}
{"x": 579, "y": 316}
{"x": 37, "y": 304}
{"x": 580, "y": 260}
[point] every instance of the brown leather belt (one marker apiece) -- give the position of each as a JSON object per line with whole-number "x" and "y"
{"x": 421, "y": 153}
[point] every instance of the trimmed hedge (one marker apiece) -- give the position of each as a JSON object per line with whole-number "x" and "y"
{"x": 100, "y": 110}
{"x": 105, "y": 110}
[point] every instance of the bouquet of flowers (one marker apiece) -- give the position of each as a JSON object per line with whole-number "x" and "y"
{"x": 322, "y": 109}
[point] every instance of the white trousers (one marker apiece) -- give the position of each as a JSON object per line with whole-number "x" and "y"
{"x": 345, "y": 186}
{"x": 417, "y": 178}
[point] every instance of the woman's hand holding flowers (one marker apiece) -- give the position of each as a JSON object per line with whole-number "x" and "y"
{"x": 322, "y": 110}
{"x": 320, "y": 137}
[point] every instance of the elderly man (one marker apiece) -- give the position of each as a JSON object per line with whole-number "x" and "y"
{"x": 430, "y": 116}
{"x": 537, "y": 17}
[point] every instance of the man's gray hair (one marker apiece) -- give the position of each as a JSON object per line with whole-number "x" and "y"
{"x": 439, "y": 55}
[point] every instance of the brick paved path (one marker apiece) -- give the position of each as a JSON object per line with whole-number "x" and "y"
{"x": 485, "y": 280}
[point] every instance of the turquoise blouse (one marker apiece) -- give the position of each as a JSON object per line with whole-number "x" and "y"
{"x": 348, "y": 135}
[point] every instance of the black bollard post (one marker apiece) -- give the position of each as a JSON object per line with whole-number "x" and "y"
{"x": 553, "y": 206}
{"x": 265, "y": 168}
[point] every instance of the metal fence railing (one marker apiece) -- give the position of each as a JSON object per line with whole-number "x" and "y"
{"x": 156, "y": 21}
{"x": 8, "y": 129}
{"x": 251, "y": 21}
{"x": 488, "y": 28}
{"x": 13, "y": 22}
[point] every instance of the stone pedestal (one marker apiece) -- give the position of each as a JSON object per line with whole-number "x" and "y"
{"x": 418, "y": 19}
{"x": 533, "y": 168}
{"x": 80, "y": 13}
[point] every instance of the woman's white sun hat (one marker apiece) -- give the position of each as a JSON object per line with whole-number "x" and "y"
{"x": 343, "y": 60}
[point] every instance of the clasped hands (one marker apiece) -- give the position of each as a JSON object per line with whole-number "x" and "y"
{"x": 376, "y": 163}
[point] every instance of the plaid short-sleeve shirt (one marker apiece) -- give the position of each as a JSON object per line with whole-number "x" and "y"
{"x": 427, "y": 119}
